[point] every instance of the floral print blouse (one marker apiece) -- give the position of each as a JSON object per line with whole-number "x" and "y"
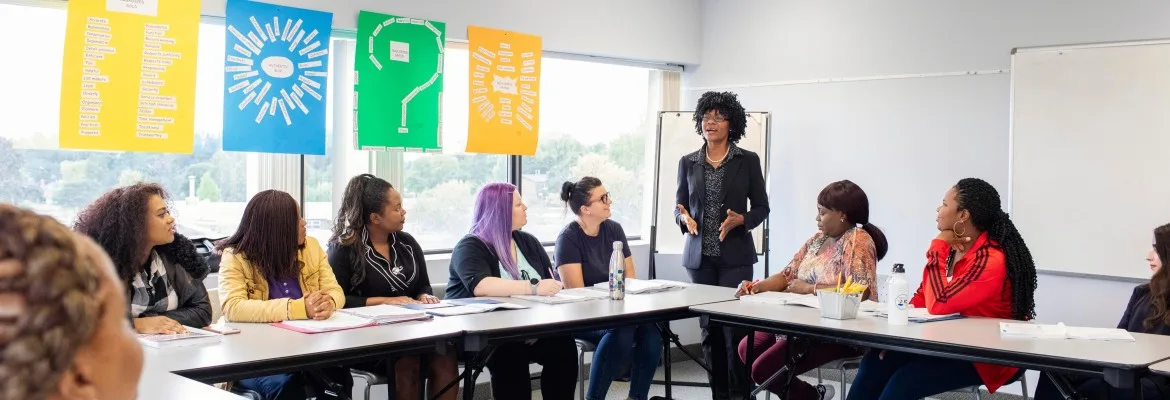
{"x": 822, "y": 259}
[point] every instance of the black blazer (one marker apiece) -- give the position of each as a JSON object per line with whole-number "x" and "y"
{"x": 472, "y": 260}
{"x": 743, "y": 180}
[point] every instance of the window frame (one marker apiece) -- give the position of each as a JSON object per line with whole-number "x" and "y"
{"x": 396, "y": 165}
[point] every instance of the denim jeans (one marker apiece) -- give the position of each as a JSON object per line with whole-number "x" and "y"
{"x": 910, "y": 376}
{"x": 617, "y": 347}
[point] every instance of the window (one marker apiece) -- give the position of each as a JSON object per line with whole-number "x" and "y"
{"x": 318, "y": 180}
{"x": 439, "y": 189}
{"x": 209, "y": 187}
{"x": 603, "y": 127}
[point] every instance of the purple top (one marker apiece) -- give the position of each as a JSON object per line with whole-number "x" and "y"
{"x": 286, "y": 289}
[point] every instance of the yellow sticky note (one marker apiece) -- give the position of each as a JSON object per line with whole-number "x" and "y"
{"x": 128, "y": 75}
{"x": 504, "y": 94}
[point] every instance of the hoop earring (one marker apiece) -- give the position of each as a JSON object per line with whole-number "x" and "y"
{"x": 955, "y": 229}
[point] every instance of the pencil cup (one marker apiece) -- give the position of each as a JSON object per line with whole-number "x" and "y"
{"x": 838, "y": 306}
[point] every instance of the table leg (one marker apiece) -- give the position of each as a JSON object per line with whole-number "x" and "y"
{"x": 469, "y": 378}
{"x": 664, "y": 330}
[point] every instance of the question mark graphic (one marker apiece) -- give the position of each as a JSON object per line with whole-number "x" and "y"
{"x": 400, "y": 51}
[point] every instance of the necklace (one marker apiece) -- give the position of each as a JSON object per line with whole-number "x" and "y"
{"x": 719, "y": 161}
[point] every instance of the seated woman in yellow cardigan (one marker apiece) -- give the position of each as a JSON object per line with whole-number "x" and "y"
{"x": 271, "y": 272}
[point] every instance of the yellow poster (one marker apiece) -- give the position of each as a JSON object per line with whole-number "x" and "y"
{"x": 128, "y": 78}
{"x": 504, "y": 102}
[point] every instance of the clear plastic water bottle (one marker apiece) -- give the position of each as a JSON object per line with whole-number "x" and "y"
{"x": 899, "y": 295}
{"x": 617, "y": 273}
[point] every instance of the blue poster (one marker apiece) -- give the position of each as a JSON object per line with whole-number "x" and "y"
{"x": 276, "y": 71}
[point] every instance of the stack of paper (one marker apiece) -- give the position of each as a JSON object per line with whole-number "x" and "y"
{"x": 567, "y": 296}
{"x": 336, "y": 322}
{"x": 386, "y": 314}
{"x": 192, "y": 337}
{"x": 780, "y": 298}
{"x": 473, "y": 306}
{"x": 1060, "y": 331}
{"x": 638, "y": 286}
{"x": 922, "y": 315}
{"x": 807, "y": 300}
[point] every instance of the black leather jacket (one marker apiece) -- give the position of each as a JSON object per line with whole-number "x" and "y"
{"x": 185, "y": 272}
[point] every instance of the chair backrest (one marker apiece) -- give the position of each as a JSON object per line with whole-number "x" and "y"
{"x": 881, "y": 284}
{"x": 216, "y": 307}
{"x": 440, "y": 290}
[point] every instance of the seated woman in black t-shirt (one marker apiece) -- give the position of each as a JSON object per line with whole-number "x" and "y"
{"x": 497, "y": 259}
{"x": 583, "y": 252}
{"x": 1147, "y": 312}
{"x": 377, "y": 263}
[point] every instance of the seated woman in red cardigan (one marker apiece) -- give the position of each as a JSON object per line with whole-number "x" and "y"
{"x": 978, "y": 266}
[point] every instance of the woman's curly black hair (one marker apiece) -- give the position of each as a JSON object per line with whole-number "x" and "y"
{"x": 982, "y": 200}
{"x": 117, "y": 222}
{"x": 727, "y": 105}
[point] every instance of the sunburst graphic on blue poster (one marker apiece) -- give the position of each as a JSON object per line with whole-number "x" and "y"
{"x": 276, "y": 70}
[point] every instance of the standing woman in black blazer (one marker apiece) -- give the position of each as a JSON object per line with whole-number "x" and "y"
{"x": 715, "y": 186}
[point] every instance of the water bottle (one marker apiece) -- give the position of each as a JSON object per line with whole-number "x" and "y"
{"x": 617, "y": 273}
{"x": 899, "y": 295}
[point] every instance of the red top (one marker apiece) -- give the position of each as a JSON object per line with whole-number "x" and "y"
{"x": 977, "y": 288}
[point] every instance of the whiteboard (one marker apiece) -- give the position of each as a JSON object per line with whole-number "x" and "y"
{"x": 1090, "y": 134}
{"x": 677, "y": 138}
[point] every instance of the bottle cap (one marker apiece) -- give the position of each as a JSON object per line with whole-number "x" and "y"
{"x": 899, "y": 269}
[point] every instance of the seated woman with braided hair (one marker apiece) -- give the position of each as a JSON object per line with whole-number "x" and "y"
{"x": 62, "y": 315}
{"x": 160, "y": 268}
{"x": 978, "y": 266}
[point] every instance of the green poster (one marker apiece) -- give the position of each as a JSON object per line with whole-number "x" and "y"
{"x": 398, "y": 83}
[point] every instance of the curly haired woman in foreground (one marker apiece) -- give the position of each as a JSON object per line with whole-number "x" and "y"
{"x": 62, "y": 318}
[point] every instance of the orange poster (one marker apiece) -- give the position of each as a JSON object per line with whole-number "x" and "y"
{"x": 504, "y": 98}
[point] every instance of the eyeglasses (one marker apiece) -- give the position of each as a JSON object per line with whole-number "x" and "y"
{"x": 716, "y": 119}
{"x": 605, "y": 199}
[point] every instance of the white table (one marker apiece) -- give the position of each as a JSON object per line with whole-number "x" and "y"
{"x": 262, "y": 349}
{"x": 483, "y": 331}
{"x": 971, "y": 339}
{"x": 157, "y": 384}
{"x": 1162, "y": 368}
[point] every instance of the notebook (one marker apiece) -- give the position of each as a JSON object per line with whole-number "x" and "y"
{"x": 921, "y": 315}
{"x": 339, "y": 321}
{"x": 422, "y": 306}
{"x": 473, "y": 306}
{"x": 386, "y": 314}
{"x": 807, "y": 300}
{"x": 192, "y": 337}
{"x": 1061, "y": 331}
{"x": 638, "y": 286}
{"x": 567, "y": 296}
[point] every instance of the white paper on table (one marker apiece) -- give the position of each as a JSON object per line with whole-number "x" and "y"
{"x": 336, "y": 321}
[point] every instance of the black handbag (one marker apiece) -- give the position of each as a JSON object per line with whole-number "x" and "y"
{"x": 205, "y": 247}
{"x": 329, "y": 383}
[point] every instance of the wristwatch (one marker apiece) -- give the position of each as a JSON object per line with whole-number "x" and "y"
{"x": 533, "y": 281}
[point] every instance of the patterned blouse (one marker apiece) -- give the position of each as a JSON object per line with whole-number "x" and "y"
{"x": 822, "y": 259}
{"x": 713, "y": 213}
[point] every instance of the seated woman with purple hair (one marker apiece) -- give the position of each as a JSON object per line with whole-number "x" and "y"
{"x": 498, "y": 260}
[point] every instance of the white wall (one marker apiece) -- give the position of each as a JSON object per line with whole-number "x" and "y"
{"x": 906, "y": 139}
{"x": 645, "y": 30}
